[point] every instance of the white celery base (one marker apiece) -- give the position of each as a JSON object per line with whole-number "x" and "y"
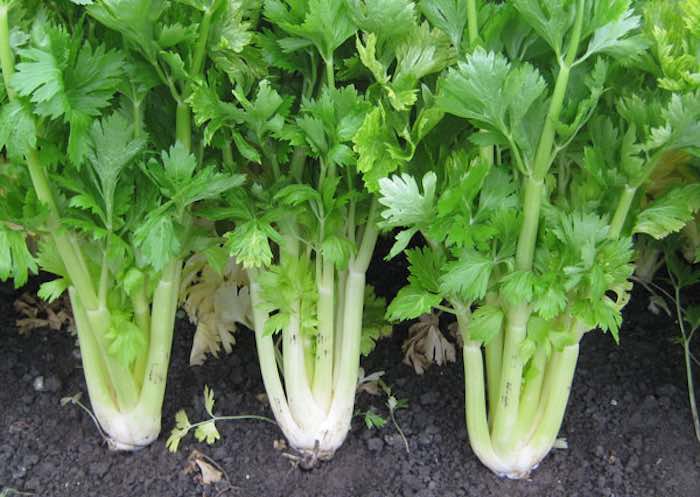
{"x": 132, "y": 430}
{"x": 321, "y": 443}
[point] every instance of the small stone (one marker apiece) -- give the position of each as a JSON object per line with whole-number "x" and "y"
{"x": 428, "y": 398}
{"x": 19, "y": 472}
{"x": 38, "y": 384}
{"x": 375, "y": 444}
{"x": 599, "y": 451}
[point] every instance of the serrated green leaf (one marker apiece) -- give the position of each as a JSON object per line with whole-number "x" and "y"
{"x": 405, "y": 204}
{"x": 296, "y": 194}
{"x": 209, "y": 400}
{"x": 15, "y": 259}
{"x": 157, "y": 238}
{"x": 448, "y": 15}
{"x": 403, "y": 238}
{"x": 338, "y": 250}
{"x": 484, "y": 324}
{"x": 249, "y": 244}
{"x": 468, "y": 277}
{"x": 51, "y": 290}
{"x": 517, "y": 287}
{"x": 126, "y": 340}
{"x": 17, "y": 130}
{"x": 613, "y": 39}
{"x": 670, "y": 212}
{"x": 411, "y": 303}
{"x": 207, "y": 432}
{"x": 424, "y": 268}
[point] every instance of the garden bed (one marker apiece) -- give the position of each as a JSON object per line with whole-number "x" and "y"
{"x": 628, "y": 426}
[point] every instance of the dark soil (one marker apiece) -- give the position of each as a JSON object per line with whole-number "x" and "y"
{"x": 628, "y": 426}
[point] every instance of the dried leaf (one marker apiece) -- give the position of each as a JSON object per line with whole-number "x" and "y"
{"x": 369, "y": 383}
{"x": 39, "y": 314}
{"x": 426, "y": 345}
{"x": 208, "y": 472}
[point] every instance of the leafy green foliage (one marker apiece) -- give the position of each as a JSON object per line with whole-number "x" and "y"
{"x": 670, "y": 212}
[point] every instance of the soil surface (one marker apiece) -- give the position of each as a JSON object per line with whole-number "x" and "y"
{"x": 628, "y": 425}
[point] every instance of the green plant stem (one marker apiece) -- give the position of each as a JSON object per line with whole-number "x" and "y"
{"x": 201, "y": 46}
{"x": 623, "y": 207}
{"x": 323, "y": 369}
{"x": 505, "y": 415}
{"x": 341, "y": 281}
{"x": 240, "y": 417}
{"x": 142, "y": 317}
{"x": 530, "y": 398}
{"x": 267, "y": 359}
{"x": 183, "y": 125}
{"x": 126, "y": 390}
{"x": 162, "y": 324}
{"x": 330, "y": 75}
{"x": 96, "y": 375}
{"x": 494, "y": 362}
{"x": 563, "y": 364}
{"x": 6, "y": 58}
{"x": 369, "y": 238}
{"x": 687, "y": 357}
{"x": 348, "y": 367}
{"x": 543, "y": 157}
{"x": 475, "y": 397}
{"x": 138, "y": 119}
{"x": 349, "y": 363}
{"x": 227, "y": 157}
{"x": 472, "y": 22}
{"x": 507, "y": 408}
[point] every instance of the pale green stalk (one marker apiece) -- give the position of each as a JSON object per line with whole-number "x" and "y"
{"x": 95, "y": 373}
{"x": 162, "y": 326}
{"x": 6, "y": 58}
{"x": 472, "y": 23}
{"x": 475, "y": 397}
{"x": 323, "y": 370}
{"x": 506, "y": 412}
{"x": 349, "y": 365}
{"x": 563, "y": 364}
{"x": 531, "y": 395}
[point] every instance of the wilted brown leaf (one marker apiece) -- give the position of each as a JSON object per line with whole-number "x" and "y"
{"x": 37, "y": 313}
{"x": 426, "y": 344}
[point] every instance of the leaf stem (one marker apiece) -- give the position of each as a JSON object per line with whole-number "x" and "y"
{"x": 686, "y": 356}
{"x": 472, "y": 22}
{"x": 623, "y": 207}
{"x": 6, "y": 57}
{"x": 200, "y": 47}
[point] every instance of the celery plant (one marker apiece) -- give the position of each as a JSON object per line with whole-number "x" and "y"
{"x": 529, "y": 207}
{"x": 305, "y": 228}
{"x": 111, "y": 214}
